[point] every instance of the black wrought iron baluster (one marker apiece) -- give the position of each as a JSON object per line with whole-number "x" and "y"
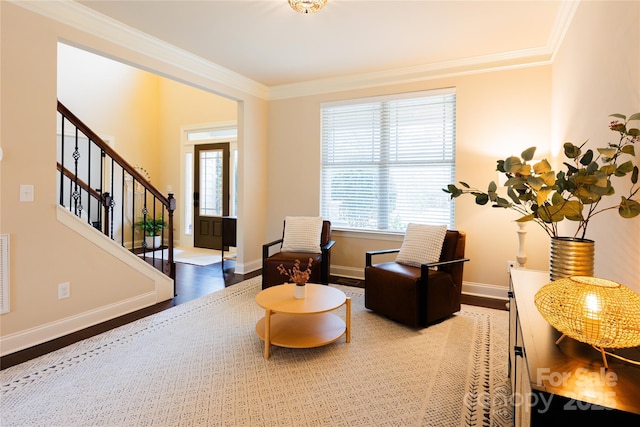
{"x": 77, "y": 205}
{"x": 112, "y": 203}
{"x": 133, "y": 213}
{"x": 145, "y": 211}
{"x": 62, "y": 160}
{"x": 122, "y": 198}
{"x": 89, "y": 195}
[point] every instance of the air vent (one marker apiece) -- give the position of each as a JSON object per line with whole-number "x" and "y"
{"x": 4, "y": 273}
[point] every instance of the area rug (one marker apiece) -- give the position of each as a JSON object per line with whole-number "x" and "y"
{"x": 201, "y": 364}
{"x": 195, "y": 256}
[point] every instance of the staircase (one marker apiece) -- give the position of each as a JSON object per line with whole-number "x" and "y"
{"x": 117, "y": 199}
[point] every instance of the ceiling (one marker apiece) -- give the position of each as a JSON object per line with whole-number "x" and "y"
{"x": 269, "y": 43}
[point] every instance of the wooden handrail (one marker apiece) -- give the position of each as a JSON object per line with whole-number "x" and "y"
{"x": 111, "y": 152}
{"x": 106, "y": 199}
{"x": 80, "y": 182}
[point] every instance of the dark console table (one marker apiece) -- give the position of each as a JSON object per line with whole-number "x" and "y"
{"x": 566, "y": 383}
{"x": 229, "y": 226}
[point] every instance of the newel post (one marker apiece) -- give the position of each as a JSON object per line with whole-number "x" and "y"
{"x": 172, "y": 264}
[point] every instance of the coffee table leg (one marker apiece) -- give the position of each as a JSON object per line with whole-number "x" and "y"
{"x": 348, "y": 319}
{"x": 267, "y": 333}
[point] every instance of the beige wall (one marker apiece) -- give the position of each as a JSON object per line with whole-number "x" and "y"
{"x": 115, "y": 100}
{"x": 498, "y": 114}
{"x": 44, "y": 252}
{"x": 597, "y": 73}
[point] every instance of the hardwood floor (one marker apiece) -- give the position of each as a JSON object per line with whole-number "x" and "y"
{"x": 191, "y": 282}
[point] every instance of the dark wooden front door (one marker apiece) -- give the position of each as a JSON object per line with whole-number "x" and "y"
{"x": 211, "y": 196}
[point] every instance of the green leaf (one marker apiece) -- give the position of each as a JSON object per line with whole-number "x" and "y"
{"x": 634, "y": 175}
{"x": 635, "y": 116}
{"x": 587, "y": 158}
{"x": 526, "y": 218}
{"x": 621, "y": 116}
{"x": 453, "y": 190}
{"x": 572, "y": 210}
{"x": 571, "y": 151}
{"x": 629, "y": 208}
{"x": 557, "y": 199}
{"x": 550, "y": 213}
{"x": 464, "y": 184}
{"x": 592, "y": 167}
{"x": 628, "y": 149}
{"x": 503, "y": 203}
{"x": 542, "y": 166}
{"x": 571, "y": 169}
{"x": 607, "y": 152}
{"x": 512, "y": 194}
{"x": 527, "y": 154}
{"x": 512, "y": 164}
{"x": 482, "y": 199}
{"x": 492, "y": 187}
{"x": 535, "y": 182}
{"x": 543, "y": 194}
{"x": 624, "y": 168}
{"x": 548, "y": 178}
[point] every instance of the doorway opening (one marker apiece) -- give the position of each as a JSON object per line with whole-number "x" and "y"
{"x": 209, "y": 180}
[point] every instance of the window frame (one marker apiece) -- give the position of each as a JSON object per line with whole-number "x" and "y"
{"x": 451, "y": 162}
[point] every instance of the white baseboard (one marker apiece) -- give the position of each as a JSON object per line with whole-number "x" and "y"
{"x": 485, "y": 290}
{"x": 43, "y": 333}
{"x": 248, "y": 267}
{"x": 468, "y": 288}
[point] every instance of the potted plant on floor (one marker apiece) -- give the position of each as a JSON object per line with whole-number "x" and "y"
{"x": 545, "y": 197}
{"x": 152, "y": 228}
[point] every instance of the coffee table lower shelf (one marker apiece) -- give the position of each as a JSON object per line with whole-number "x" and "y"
{"x": 302, "y": 331}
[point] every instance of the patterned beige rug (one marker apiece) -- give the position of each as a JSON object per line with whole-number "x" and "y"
{"x": 201, "y": 363}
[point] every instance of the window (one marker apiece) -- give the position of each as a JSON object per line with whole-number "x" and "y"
{"x": 386, "y": 160}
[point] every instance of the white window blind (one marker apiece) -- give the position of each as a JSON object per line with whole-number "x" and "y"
{"x": 386, "y": 160}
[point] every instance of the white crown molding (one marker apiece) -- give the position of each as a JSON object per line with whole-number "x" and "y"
{"x": 481, "y": 64}
{"x": 440, "y": 70}
{"x": 563, "y": 20}
{"x": 86, "y": 19}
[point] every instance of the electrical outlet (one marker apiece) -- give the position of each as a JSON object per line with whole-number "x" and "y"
{"x": 510, "y": 265}
{"x": 64, "y": 290}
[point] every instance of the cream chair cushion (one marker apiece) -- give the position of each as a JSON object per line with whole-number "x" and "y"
{"x": 302, "y": 234}
{"x": 422, "y": 244}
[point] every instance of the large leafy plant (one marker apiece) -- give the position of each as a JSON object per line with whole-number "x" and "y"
{"x": 547, "y": 198}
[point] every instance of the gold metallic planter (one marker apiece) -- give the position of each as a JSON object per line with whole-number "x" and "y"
{"x": 571, "y": 257}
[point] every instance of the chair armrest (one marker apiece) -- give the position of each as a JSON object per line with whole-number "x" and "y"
{"x": 328, "y": 245}
{"x": 439, "y": 263}
{"x": 266, "y": 246}
{"x": 370, "y": 254}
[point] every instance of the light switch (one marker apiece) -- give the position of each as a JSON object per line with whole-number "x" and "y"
{"x": 26, "y": 193}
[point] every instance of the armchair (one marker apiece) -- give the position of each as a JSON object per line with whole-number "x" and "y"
{"x": 321, "y": 259}
{"x": 417, "y": 296}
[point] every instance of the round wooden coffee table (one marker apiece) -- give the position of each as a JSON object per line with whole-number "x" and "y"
{"x": 302, "y": 323}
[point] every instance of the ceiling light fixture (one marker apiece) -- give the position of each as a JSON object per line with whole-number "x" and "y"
{"x": 307, "y": 6}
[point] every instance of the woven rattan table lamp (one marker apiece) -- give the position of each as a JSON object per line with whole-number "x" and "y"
{"x": 592, "y": 310}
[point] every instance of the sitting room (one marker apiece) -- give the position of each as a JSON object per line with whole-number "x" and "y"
{"x": 426, "y": 141}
